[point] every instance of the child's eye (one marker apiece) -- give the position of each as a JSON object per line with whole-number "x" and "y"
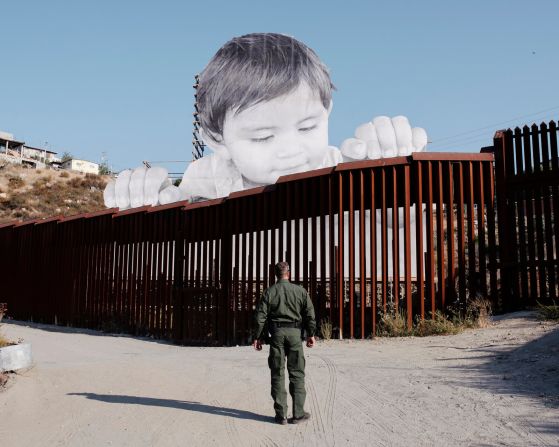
{"x": 307, "y": 129}
{"x": 261, "y": 140}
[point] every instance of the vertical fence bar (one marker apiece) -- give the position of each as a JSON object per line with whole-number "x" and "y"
{"x": 450, "y": 227}
{"x": 362, "y": 253}
{"x": 373, "y": 251}
{"x": 340, "y": 257}
{"x": 548, "y": 227}
{"x": 384, "y": 240}
{"x": 471, "y": 245}
{"x": 537, "y": 195}
{"x": 440, "y": 238}
{"x": 554, "y": 153}
{"x": 407, "y": 245}
{"x": 420, "y": 280}
{"x": 430, "y": 239}
{"x": 395, "y": 242}
{"x": 351, "y": 253}
{"x": 461, "y": 237}
{"x": 520, "y": 197}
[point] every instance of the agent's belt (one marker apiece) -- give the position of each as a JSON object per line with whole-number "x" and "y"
{"x": 296, "y": 325}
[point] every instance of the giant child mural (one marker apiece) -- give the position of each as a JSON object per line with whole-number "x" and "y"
{"x": 264, "y": 101}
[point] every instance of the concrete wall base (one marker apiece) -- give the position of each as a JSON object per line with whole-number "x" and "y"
{"x": 15, "y": 357}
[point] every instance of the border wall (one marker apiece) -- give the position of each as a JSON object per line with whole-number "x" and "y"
{"x": 193, "y": 273}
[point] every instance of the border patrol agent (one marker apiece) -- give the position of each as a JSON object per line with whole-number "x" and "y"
{"x": 287, "y": 309}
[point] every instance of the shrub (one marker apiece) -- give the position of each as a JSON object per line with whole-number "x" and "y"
{"x": 478, "y": 313}
{"x": 15, "y": 182}
{"x": 326, "y": 328}
{"x": 64, "y": 174}
{"x": 3, "y": 340}
{"x": 439, "y": 324}
{"x": 550, "y": 312}
{"x": 13, "y": 202}
{"x": 393, "y": 325}
{"x": 42, "y": 182}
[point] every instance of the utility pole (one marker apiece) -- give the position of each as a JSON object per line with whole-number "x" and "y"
{"x": 197, "y": 142}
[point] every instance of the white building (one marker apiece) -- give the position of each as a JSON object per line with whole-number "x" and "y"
{"x": 85, "y": 166}
{"x": 40, "y": 154}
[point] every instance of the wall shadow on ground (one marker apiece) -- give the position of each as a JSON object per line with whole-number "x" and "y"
{"x": 84, "y": 331}
{"x": 530, "y": 370}
{"x": 178, "y": 404}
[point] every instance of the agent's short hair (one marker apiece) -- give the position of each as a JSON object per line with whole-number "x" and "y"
{"x": 281, "y": 268}
{"x": 254, "y": 68}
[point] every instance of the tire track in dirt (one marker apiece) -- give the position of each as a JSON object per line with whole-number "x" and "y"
{"x": 521, "y": 422}
{"x": 262, "y": 438}
{"x": 321, "y": 431}
{"x": 233, "y": 435}
{"x": 331, "y": 392}
{"x": 379, "y": 428}
{"x": 389, "y": 414}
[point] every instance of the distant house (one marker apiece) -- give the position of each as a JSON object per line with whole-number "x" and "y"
{"x": 85, "y": 166}
{"x": 18, "y": 152}
{"x": 39, "y": 153}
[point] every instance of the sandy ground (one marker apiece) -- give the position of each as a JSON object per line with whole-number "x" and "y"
{"x": 484, "y": 387}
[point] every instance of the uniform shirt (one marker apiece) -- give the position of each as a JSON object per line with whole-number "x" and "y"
{"x": 285, "y": 302}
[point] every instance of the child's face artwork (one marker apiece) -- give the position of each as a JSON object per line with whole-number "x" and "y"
{"x": 285, "y": 135}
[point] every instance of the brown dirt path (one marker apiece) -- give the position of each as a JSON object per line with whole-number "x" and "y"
{"x": 485, "y": 387}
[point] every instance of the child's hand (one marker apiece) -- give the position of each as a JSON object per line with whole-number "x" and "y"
{"x": 384, "y": 137}
{"x": 141, "y": 186}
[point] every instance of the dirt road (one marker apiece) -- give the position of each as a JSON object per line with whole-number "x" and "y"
{"x": 485, "y": 387}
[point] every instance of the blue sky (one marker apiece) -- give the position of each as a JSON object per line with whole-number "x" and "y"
{"x": 116, "y": 76}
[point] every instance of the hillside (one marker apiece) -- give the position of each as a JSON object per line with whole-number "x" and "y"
{"x": 35, "y": 193}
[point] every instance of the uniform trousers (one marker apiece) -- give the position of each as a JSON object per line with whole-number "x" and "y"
{"x": 285, "y": 343}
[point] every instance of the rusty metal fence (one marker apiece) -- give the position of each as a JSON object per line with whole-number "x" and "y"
{"x": 413, "y": 234}
{"x": 527, "y": 171}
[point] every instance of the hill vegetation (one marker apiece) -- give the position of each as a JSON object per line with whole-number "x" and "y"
{"x": 27, "y": 193}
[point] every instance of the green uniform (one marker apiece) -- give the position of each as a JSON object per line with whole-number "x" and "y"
{"x": 286, "y": 304}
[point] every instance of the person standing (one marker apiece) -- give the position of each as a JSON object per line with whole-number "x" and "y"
{"x": 287, "y": 309}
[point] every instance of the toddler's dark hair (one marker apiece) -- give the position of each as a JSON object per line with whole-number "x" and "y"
{"x": 254, "y": 68}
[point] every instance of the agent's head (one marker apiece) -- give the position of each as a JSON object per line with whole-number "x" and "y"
{"x": 282, "y": 270}
{"x": 264, "y": 101}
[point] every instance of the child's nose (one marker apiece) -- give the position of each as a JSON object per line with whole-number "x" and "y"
{"x": 291, "y": 148}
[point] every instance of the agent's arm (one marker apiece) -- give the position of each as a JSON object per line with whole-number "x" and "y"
{"x": 260, "y": 317}
{"x": 309, "y": 321}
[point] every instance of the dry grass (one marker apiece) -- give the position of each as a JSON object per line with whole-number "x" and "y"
{"x": 15, "y": 182}
{"x": 550, "y": 312}
{"x": 438, "y": 325}
{"x": 478, "y": 313}
{"x": 326, "y": 328}
{"x": 394, "y": 325}
{"x": 32, "y": 194}
{"x": 3, "y": 340}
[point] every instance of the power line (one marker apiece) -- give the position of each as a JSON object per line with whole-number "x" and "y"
{"x": 492, "y": 126}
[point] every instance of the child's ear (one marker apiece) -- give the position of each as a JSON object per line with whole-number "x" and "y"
{"x": 330, "y": 107}
{"x": 216, "y": 146}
